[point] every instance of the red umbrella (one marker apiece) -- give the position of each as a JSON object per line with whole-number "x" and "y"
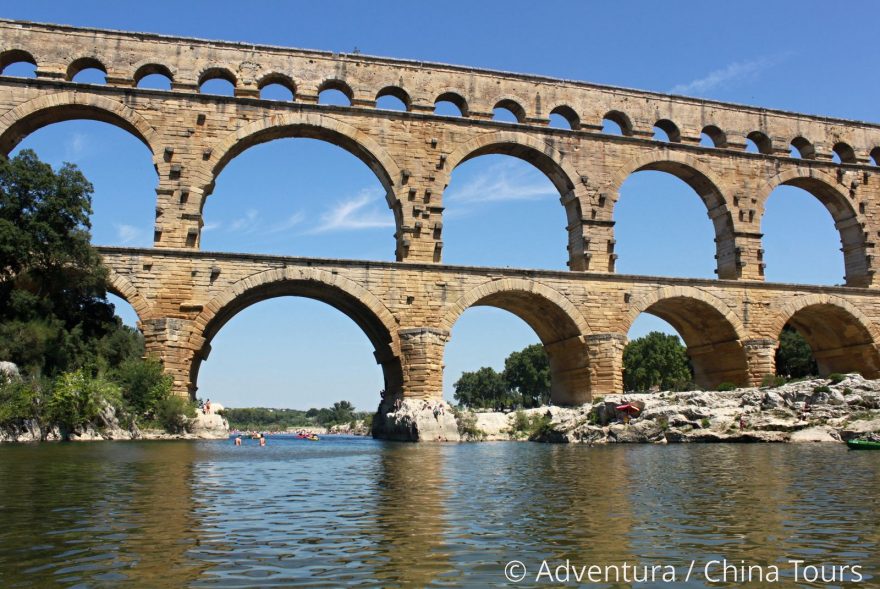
{"x": 628, "y": 408}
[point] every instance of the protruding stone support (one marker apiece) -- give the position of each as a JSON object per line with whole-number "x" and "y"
{"x": 606, "y": 363}
{"x": 761, "y": 358}
{"x": 421, "y": 351}
{"x": 167, "y": 339}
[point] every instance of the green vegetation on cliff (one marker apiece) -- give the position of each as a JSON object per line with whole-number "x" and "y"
{"x": 76, "y": 357}
{"x": 264, "y": 419}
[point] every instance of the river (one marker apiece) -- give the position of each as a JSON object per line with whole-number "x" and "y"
{"x": 357, "y": 512}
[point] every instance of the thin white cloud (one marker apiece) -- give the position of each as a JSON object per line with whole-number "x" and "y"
{"x": 246, "y": 224}
{"x": 212, "y": 226}
{"x": 289, "y": 223}
{"x": 502, "y": 182}
{"x": 364, "y": 211}
{"x": 734, "y": 73}
{"x": 128, "y": 234}
{"x": 76, "y": 146}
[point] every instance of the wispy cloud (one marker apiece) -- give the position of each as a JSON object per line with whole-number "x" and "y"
{"x": 76, "y": 146}
{"x": 289, "y": 223}
{"x": 735, "y": 73}
{"x": 364, "y": 211}
{"x": 212, "y": 226}
{"x": 128, "y": 234}
{"x": 246, "y": 224}
{"x": 502, "y": 182}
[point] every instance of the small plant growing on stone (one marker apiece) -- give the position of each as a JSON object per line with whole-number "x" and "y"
{"x": 836, "y": 377}
{"x": 773, "y": 381}
{"x": 705, "y": 423}
{"x": 467, "y": 427}
{"x": 847, "y": 391}
{"x": 821, "y": 389}
{"x": 663, "y": 422}
{"x": 726, "y": 386}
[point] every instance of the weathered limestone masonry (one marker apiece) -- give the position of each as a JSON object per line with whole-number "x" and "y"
{"x": 184, "y": 296}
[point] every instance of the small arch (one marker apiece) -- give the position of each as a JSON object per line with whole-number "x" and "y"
{"x": 843, "y": 153}
{"x": 124, "y": 289}
{"x": 335, "y": 93}
{"x": 875, "y": 156}
{"x": 87, "y": 69}
{"x": 153, "y": 75}
{"x": 557, "y": 322}
{"x": 841, "y": 337}
{"x": 715, "y": 136}
{"x": 218, "y": 81}
{"x": 441, "y": 105}
{"x": 712, "y": 333}
{"x": 565, "y": 117}
{"x": 510, "y": 111}
{"x": 393, "y": 98}
{"x": 761, "y": 141}
{"x": 666, "y": 130}
{"x": 617, "y": 123}
{"x": 802, "y": 149}
{"x": 277, "y": 86}
{"x": 14, "y": 58}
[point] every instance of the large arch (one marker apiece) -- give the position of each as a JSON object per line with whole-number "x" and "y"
{"x": 352, "y": 299}
{"x": 689, "y": 170}
{"x": 842, "y": 338}
{"x": 711, "y": 331}
{"x": 557, "y": 322}
{"x": 549, "y": 161}
{"x": 26, "y": 118}
{"x": 852, "y": 234}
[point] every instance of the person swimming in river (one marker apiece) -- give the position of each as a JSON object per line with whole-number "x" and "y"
{"x": 238, "y": 441}
{"x": 262, "y": 440}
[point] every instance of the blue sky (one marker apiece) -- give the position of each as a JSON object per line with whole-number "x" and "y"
{"x": 278, "y": 197}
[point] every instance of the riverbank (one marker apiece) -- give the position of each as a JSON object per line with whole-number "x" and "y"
{"x": 817, "y": 410}
{"x": 107, "y": 427}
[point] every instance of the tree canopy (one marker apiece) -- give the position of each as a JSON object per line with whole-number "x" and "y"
{"x": 656, "y": 360}
{"x": 794, "y": 358}
{"x": 524, "y": 382}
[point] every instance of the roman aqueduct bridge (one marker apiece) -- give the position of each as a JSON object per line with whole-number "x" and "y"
{"x": 731, "y": 325}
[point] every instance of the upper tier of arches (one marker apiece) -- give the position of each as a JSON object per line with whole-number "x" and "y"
{"x": 574, "y": 106}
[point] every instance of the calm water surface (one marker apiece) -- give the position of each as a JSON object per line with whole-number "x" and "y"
{"x": 357, "y": 512}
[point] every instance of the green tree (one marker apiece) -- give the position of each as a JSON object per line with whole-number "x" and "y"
{"x": 656, "y": 359}
{"x": 794, "y": 358}
{"x": 527, "y": 375}
{"x": 341, "y": 412}
{"x": 53, "y": 307}
{"x": 144, "y": 384}
{"x": 483, "y": 388}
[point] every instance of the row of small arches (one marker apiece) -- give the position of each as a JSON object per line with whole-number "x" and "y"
{"x": 277, "y": 86}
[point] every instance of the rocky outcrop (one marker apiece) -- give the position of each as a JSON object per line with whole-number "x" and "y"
{"x": 9, "y": 371}
{"x": 815, "y": 410}
{"x": 415, "y": 421}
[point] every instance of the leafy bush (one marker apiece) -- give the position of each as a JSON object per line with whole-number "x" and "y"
{"x": 773, "y": 380}
{"x": 821, "y": 389}
{"x": 77, "y": 399}
{"x": 836, "y": 377}
{"x": 144, "y": 384}
{"x": 705, "y": 423}
{"x": 174, "y": 412}
{"x": 467, "y": 426}
{"x": 20, "y": 401}
{"x": 541, "y": 428}
{"x": 726, "y": 386}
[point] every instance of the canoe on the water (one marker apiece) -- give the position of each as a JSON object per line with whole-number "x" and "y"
{"x": 863, "y": 445}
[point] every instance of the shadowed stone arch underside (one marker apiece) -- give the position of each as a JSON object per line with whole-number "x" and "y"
{"x": 557, "y": 322}
{"x": 341, "y": 293}
{"x": 841, "y": 337}
{"x": 549, "y": 161}
{"x": 124, "y": 289}
{"x": 691, "y": 171}
{"x": 827, "y": 190}
{"x": 711, "y": 331}
{"x": 26, "y": 118}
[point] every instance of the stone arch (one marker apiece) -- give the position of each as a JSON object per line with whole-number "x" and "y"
{"x": 84, "y": 63}
{"x": 11, "y": 56}
{"x": 305, "y": 125}
{"x": 712, "y": 332}
{"x": 824, "y": 187}
{"x": 26, "y": 118}
{"x": 150, "y": 67}
{"x": 688, "y": 169}
{"x": 842, "y": 338}
{"x": 345, "y": 295}
{"x": 557, "y": 322}
{"x": 124, "y": 289}
{"x": 545, "y": 158}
